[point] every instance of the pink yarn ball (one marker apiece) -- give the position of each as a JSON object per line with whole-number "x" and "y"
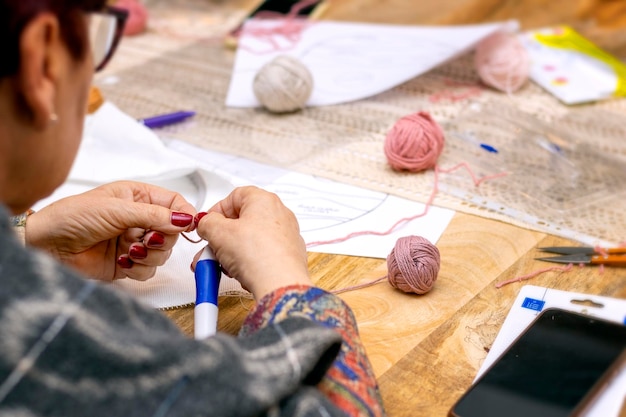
{"x": 414, "y": 143}
{"x": 502, "y": 62}
{"x": 413, "y": 265}
{"x": 137, "y": 16}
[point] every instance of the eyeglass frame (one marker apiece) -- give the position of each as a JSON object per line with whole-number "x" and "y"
{"x": 120, "y": 15}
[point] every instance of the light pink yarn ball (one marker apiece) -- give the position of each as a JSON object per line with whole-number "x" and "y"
{"x": 502, "y": 62}
{"x": 414, "y": 143}
{"x": 413, "y": 265}
{"x": 137, "y": 16}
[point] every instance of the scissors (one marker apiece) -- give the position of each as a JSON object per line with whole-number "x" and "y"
{"x": 586, "y": 255}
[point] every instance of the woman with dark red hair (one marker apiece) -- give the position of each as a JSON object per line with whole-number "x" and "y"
{"x": 70, "y": 346}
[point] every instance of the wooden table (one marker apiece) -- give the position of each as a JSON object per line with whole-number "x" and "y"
{"x": 427, "y": 349}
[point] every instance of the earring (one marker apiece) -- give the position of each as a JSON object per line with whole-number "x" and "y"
{"x": 54, "y": 118}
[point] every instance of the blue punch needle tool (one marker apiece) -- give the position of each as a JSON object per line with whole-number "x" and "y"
{"x": 208, "y": 274}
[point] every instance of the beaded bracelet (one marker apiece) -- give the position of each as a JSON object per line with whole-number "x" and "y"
{"x": 20, "y": 219}
{"x": 19, "y": 225}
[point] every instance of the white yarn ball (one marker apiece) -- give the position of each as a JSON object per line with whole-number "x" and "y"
{"x": 283, "y": 84}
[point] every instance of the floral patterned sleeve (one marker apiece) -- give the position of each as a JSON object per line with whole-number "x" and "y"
{"x": 350, "y": 383}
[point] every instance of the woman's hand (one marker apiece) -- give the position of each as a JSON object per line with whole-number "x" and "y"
{"x": 257, "y": 241}
{"x": 118, "y": 230}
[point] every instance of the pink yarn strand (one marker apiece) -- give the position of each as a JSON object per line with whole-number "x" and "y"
{"x": 386, "y": 232}
{"x": 477, "y": 181}
{"x": 359, "y": 286}
{"x": 289, "y": 29}
{"x": 535, "y": 274}
{"x": 466, "y": 91}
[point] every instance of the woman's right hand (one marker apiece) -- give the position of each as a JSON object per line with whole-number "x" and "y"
{"x": 257, "y": 241}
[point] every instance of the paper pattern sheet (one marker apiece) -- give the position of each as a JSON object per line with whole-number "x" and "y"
{"x": 352, "y": 61}
{"x": 329, "y": 210}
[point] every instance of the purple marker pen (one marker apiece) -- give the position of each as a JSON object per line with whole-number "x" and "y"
{"x": 166, "y": 119}
{"x": 207, "y": 274}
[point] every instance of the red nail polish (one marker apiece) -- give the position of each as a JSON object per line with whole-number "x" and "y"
{"x": 156, "y": 240}
{"x": 125, "y": 262}
{"x": 198, "y": 217}
{"x": 181, "y": 219}
{"x": 138, "y": 252}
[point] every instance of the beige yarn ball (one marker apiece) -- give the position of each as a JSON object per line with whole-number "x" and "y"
{"x": 283, "y": 85}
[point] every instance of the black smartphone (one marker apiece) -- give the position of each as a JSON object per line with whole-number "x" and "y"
{"x": 555, "y": 368}
{"x": 282, "y": 7}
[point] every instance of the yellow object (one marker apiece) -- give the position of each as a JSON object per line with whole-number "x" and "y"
{"x": 95, "y": 100}
{"x": 567, "y": 38}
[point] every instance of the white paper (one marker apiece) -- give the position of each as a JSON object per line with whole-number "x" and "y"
{"x": 352, "y": 61}
{"x": 115, "y": 146}
{"x": 530, "y": 301}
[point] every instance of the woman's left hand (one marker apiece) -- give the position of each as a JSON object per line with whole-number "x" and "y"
{"x": 118, "y": 230}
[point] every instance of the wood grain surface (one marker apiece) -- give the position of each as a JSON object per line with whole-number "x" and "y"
{"x": 444, "y": 364}
{"x": 427, "y": 349}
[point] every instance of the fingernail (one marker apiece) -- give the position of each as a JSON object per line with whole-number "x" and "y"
{"x": 199, "y": 216}
{"x": 156, "y": 240}
{"x": 138, "y": 252}
{"x": 181, "y": 219}
{"x": 125, "y": 262}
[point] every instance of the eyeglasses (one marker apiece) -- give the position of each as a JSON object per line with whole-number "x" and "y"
{"x": 105, "y": 31}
